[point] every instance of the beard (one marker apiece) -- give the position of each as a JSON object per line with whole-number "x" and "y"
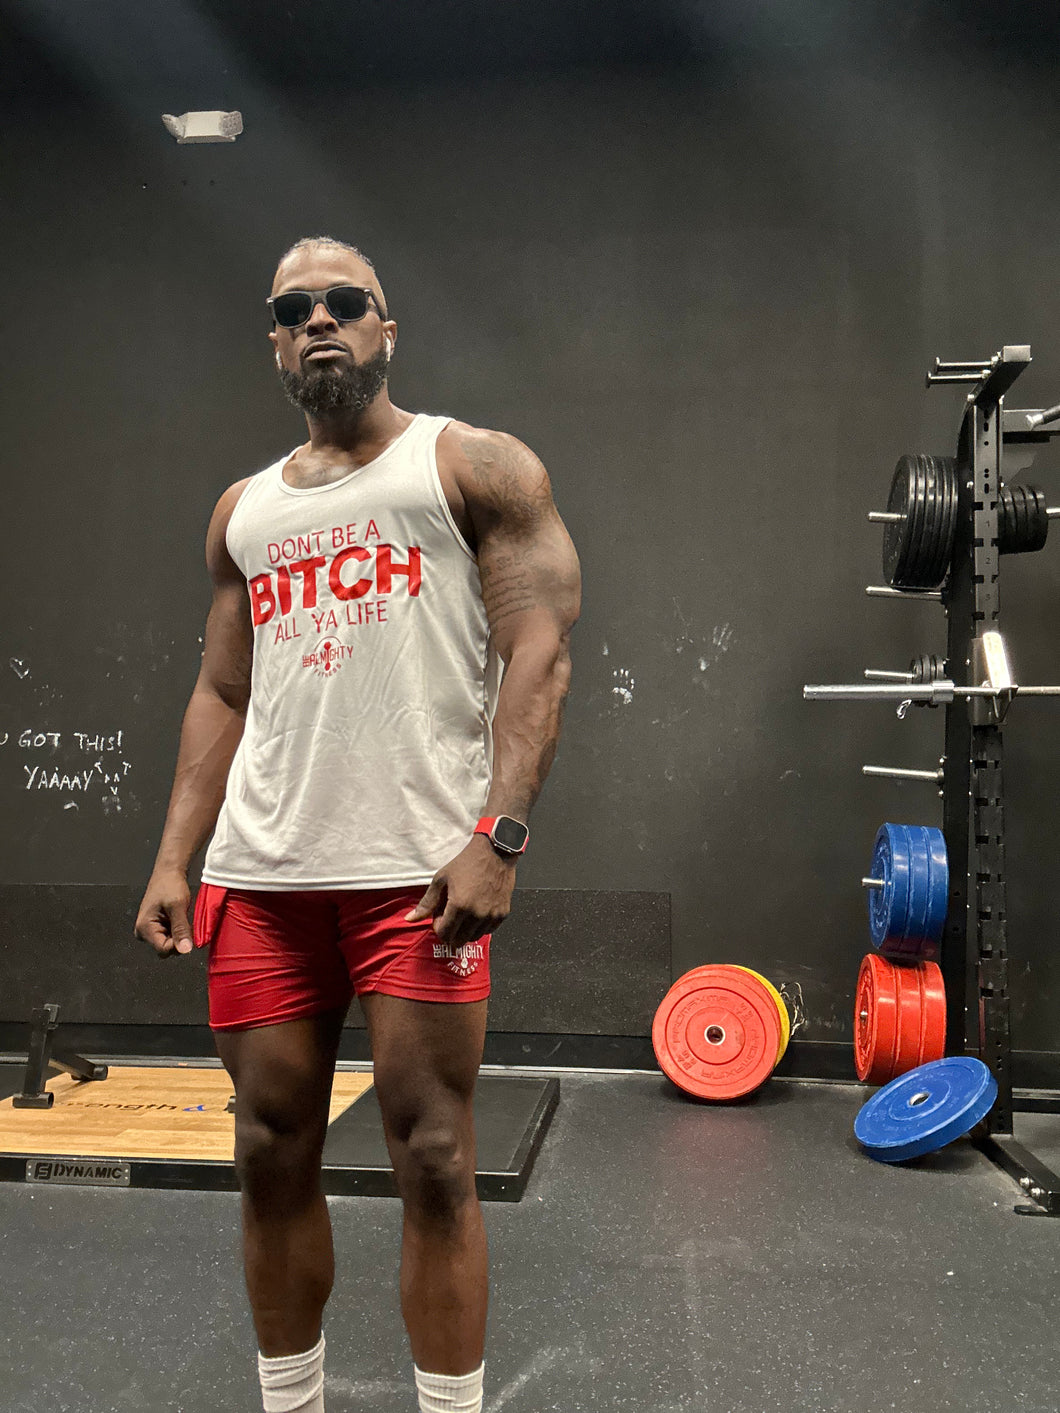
{"x": 337, "y": 387}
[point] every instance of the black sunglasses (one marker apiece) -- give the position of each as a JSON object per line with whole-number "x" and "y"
{"x": 346, "y": 303}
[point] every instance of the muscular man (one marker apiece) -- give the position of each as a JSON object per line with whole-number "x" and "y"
{"x": 367, "y": 773}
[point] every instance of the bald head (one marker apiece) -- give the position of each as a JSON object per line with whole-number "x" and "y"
{"x": 336, "y": 259}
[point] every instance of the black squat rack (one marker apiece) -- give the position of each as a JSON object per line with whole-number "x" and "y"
{"x": 977, "y": 690}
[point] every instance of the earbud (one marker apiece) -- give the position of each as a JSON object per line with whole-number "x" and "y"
{"x": 279, "y": 361}
{"x": 389, "y": 349}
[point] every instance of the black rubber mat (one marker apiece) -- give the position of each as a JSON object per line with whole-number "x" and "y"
{"x": 512, "y": 1116}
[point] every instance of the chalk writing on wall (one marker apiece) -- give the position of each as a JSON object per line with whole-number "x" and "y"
{"x": 71, "y": 765}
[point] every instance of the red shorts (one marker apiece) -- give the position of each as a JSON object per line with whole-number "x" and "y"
{"x": 281, "y": 956}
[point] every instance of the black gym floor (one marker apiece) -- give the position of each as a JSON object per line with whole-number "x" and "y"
{"x": 666, "y": 1257}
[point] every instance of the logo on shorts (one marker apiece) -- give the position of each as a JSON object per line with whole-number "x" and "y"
{"x": 461, "y": 961}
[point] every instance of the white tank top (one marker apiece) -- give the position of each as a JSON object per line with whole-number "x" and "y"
{"x": 366, "y": 756}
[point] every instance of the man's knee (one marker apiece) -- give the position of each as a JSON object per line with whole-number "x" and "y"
{"x": 277, "y": 1152}
{"x": 434, "y": 1166}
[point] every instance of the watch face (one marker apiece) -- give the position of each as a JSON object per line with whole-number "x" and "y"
{"x": 510, "y": 834}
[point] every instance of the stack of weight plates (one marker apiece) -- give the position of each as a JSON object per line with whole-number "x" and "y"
{"x": 899, "y": 1018}
{"x": 720, "y": 1031}
{"x": 908, "y": 912}
{"x": 900, "y": 1006}
{"x": 917, "y": 549}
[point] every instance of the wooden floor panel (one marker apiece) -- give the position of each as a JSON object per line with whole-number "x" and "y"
{"x": 143, "y": 1112}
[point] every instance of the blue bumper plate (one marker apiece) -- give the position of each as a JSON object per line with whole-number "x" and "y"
{"x": 907, "y": 914}
{"x": 889, "y": 905}
{"x": 925, "y": 1109}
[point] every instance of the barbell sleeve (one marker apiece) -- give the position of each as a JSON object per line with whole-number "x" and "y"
{"x": 873, "y": 883}
{"x": 882, "y": 692}
{"x": 938, "y": 692}
{"x": 876, "y": 674}
{"x": 897, "y": 773}
{"x": 972, "y": 365}
{"x": 880, "y": 591}
{"x": 1039, "y": 419}
{"x": 886, "y": 517}
{"x": 970, "y": 377}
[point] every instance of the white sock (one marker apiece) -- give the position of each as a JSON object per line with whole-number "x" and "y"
{"x": 450, "y": 1393}
{"x": 293, "y": 1381}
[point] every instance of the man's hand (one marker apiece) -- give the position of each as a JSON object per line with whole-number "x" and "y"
{"x": 163, "y": 916}
{"x": 470, "y": 896}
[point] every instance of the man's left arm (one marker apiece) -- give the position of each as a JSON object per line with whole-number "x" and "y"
{"x": 531, "y": 588}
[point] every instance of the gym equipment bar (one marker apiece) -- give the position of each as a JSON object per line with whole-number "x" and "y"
{"x": 974, "y": 950}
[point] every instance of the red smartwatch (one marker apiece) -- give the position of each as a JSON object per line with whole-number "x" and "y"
{"x": 507, "y": 835}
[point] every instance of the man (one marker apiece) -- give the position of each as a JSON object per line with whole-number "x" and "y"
{"x": 370, "y": 777}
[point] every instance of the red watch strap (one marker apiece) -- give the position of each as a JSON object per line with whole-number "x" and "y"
{"x": 484, "y": 826}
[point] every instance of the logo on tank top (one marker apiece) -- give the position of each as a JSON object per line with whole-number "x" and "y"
{"x": 461, "y": 961}
{"x": 327, "y": 659}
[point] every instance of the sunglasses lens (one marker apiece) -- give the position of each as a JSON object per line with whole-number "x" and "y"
{"x": 290, "y": 310}
{"x": 347, "y": 303}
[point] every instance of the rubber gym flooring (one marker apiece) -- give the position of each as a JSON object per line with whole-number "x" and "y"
{"x": 666, "y": 1257}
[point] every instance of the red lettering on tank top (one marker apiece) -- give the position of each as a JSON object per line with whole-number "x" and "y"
{"x": 349, "y": 591}
{"x": 373, "y": 529}
{"x": 262, "y": 599}
{"x": 308, "y": 570}
{"x": 385, "y": 568}
{"x": 283, "y": 579}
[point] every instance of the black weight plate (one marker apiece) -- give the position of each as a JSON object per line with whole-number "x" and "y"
{"x": 929, "y": 554}
{"x": 914, "y": 573}
{"x": 1023, "y": 526}
{"x": 951, "y": 484}
{"x": 936, "y": 561}
{"x": 907, "y": 570}
{"x": 1017, "y": 525}
{"x": 917, "y": 552}
{"x": 1039, "y": 531}
{"x": 927, "y": 667}
{"x": 1023, "y": 520}
{"x": 947, "y": 472}
{"x": 1006, "y": 522}
{"x": 896, "y": 537}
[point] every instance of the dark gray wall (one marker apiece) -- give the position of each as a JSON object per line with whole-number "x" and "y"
{"x": 697, "y": 256}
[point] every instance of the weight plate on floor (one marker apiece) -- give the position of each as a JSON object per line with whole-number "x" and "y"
{"x": 889, "y": 905}
{"x": 925, "y": 1109}
{"x": 782, "y": 1010}
{"x": 716, "y": 1033}
{"x": 876, "y": 1020}
{"x": 781, "y": 1005}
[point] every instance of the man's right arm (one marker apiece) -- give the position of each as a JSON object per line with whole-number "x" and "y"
{"x": 211, "y": 732}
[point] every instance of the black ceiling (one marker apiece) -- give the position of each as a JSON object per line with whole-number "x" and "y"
{"x": 203, "y": 52}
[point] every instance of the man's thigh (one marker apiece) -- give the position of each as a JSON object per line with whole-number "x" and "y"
{"x": 426, "y": 1056}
